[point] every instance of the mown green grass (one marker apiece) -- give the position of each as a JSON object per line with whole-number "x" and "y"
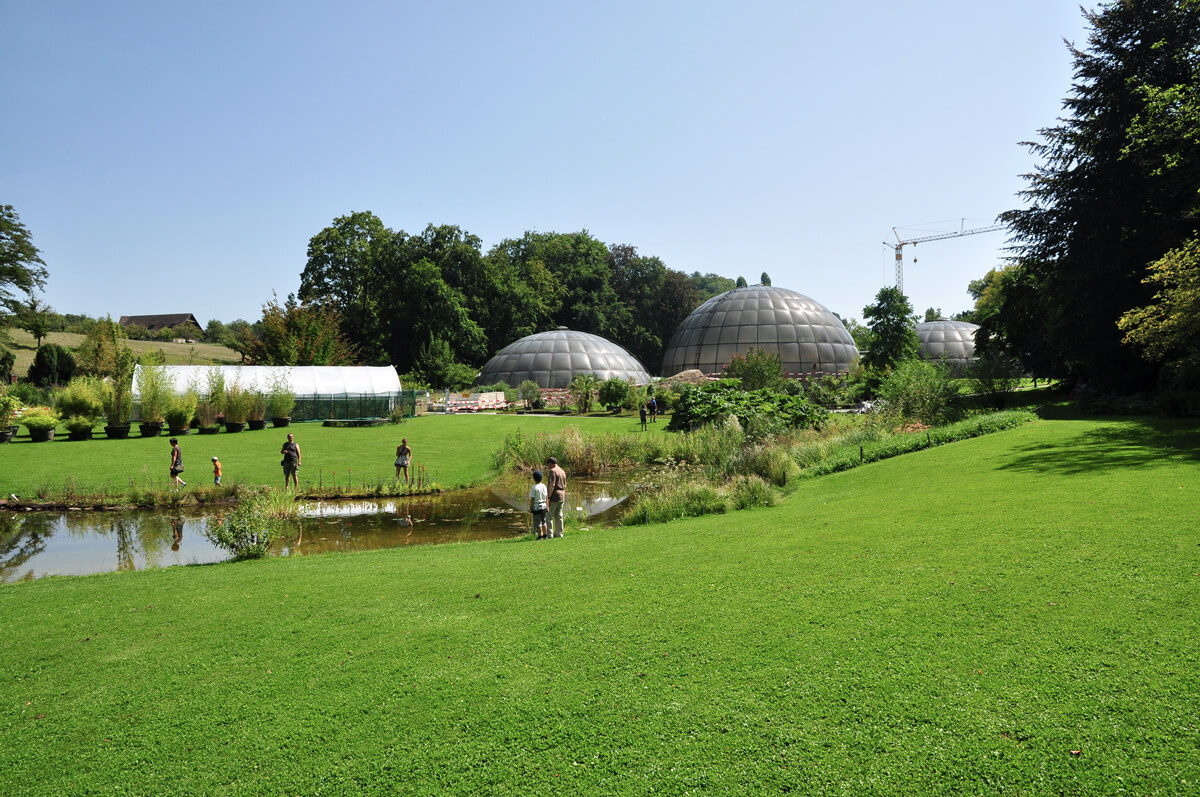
{"x": 455, "y": 451}
{"x": 1009, "y": 614}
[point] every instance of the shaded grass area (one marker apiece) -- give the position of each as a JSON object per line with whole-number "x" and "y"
{"x": 454, "y": 451}
{"x": 962, "y": 620}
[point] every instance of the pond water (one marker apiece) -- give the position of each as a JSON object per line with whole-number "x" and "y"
{"x": 36, "y": 544}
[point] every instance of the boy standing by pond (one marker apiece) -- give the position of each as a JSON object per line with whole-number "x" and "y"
{"x": 216, "y": 471}
{"x": 537, "y": 505}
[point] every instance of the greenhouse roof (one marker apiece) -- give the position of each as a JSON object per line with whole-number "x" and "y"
{"x": 305, "y": 380}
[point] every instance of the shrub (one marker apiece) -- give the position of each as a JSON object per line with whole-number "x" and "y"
{"x": 583, "y": 391}
{"x": 613, "y": 393}
{"x": 9, "y": 404}
{"x": 181, "y": 407}
{"x": 995, "y": 375}
{"x": 757, "y": 368}
{"x": 39, "y": 419}
{"x": 247, "y": 531}
{"x": 82, "y": 397}
{"x": 52, "y": 365}
{"x": 281, "y": 398}
{"x": 237, "y": 404}
{"x": 920, "y": 390}
{"x": 153, "y": 385}
{"x": 530, "y": 393}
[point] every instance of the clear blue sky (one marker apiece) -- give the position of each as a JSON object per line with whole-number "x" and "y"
{"x": 172, "y": 157}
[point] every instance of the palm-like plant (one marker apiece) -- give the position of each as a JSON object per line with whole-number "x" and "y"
{"x": 583, "y": 391}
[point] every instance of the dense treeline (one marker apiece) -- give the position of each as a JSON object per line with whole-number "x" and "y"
{"x": 1106, "y": 261}
{"x": 399, "y": 295}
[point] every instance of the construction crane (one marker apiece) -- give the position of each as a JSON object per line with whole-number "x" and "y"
{"x": 899, "y": 245}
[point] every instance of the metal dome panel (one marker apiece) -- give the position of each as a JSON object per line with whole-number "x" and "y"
{"x": 803, "y": 332}
{"x": 553, "y": 359}
{"x": 950, "y": 341}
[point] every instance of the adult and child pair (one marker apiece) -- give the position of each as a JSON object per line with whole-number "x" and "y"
{"x": 546, "y": 500}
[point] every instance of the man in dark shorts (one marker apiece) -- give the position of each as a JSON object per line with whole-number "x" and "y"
{"x": 291, "y": 461}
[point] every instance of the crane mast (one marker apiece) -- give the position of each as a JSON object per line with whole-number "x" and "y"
{"x": 898, "y": 247}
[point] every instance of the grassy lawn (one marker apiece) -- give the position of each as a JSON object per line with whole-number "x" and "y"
{"x": 1011, "y": 614}
{"x": 23, "y": 347}
{"x": 454, "y": 450}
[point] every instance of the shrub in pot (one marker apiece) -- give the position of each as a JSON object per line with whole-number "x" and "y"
{"x": 207, "y": 414}
{"x": 81, "y": 402}
{"x": 179, "y": 412}
{"x": 256, "y": 416}
{"x": 280, "y": 400}
{"x": 153, "y": 388}
{"x": 237, "y": 407}
{"x": 79, "y": 427}
{"x": 9, "y": 404}
{"x": 41, "y": 422}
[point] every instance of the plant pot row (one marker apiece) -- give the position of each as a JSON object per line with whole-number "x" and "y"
{"x": 149, "y": 429}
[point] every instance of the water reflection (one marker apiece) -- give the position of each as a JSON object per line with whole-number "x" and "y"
{"x": 36, "y": 544}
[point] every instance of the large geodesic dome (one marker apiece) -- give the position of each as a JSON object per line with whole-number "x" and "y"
{"x": 807, "y": 337}
{"x": 553, "y": 359}
{"x": 952, "y": 342}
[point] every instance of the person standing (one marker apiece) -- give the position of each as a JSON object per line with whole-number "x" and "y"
{"x": 642, "y": 414}
{"x": 653, "y": 410}
{"x": 556, "y": 486}
{"x": 291, "y": 461}
{"x": 537, "y": 505}
{"x": 216, "y": 472}
{"x": 176, "y": 464}
{"x": 403, "y": 458}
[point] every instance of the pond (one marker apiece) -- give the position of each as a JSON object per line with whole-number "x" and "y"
{"x": 36, "y": 544}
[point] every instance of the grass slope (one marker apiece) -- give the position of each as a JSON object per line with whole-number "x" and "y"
{"x": 1010, "y": 614}
{"x": 455, "y": 450}
{"x": 23, "y": 346}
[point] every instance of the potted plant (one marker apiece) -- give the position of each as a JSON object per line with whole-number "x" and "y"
{"x": 153, "y": 385}
{"x": 9, "y": 405}
{"x": 237, "y": 407}
{"x": 41, "y": 422}
{"x": 179, "y": 412}
{"x": 81, "y": 403}
{"x": 256, "y": 416}
{"x": 207, "y": 416}
{"x": 280, "y": 400}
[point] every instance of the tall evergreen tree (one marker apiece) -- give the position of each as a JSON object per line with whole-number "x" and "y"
{"x": 1099, "y": 210}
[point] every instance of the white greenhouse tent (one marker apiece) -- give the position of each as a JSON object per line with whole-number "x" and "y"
{"x": 321, "y": 391}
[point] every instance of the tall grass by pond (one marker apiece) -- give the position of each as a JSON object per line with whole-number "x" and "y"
{"x": 719, "y": 468}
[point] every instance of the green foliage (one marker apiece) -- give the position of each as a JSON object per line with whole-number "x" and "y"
{"x": 52, "y": 365}
{"x": 21, "y": 265}
{"x": 715, "y": 401}
{"x": 181, "y": 408}
{"x": 893, "y": 330}
{"x": 153, "y": 388}
{"x": 529, "y": 392}
{"x": 39, "y": 419}
{"x": 82, "y": 396}
{"x": 238, "y": 403}
{"x": 299, "y": 334}
{"x": 247, "y": 531}
{"x": 920, "y": 390}
{"x": 583, "y": 390}
{"x": 9, "y": 404}
{"x": 995, "y": 374}
{"x": 7, "y": 361}
{"x": 436, "y": 366}
{"x": 281, "y": 399}
{"x": 1114, "y": 192}
{"x": 613, "y": 393}
{"x": 756, "y": 369}
{"x": 1167, "y": 329}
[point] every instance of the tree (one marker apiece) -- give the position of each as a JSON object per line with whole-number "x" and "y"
{"x": 859, "y": 331}
{"x": 893, "y": 330}
{"x": 52, "y": 365}
{"x": 933, "y": 313}
{"x": 529, "y": 392}
{"x": 1167, "y": 330}
{"x": 656, "y": 300}
{"x": 764, "y": 279}
{"x": 35, "y": 317}
{"x": 435, "y": 365}
{"x": 756, "y": 369}
{"x": 299, "y": 334}
{"x": 1114, "y": 192}
{"x": 613, "y": 393}
{"x": 21, "y": 264}
{"x": 741, "y": 282}
{"x": 583, "y": 392}
{"x": 214, "y": 331}
{"x": 710, "y": 285}
{"x": 344, "y": 275}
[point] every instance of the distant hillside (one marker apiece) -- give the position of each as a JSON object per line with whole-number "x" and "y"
{"x": 22, "y": 345}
